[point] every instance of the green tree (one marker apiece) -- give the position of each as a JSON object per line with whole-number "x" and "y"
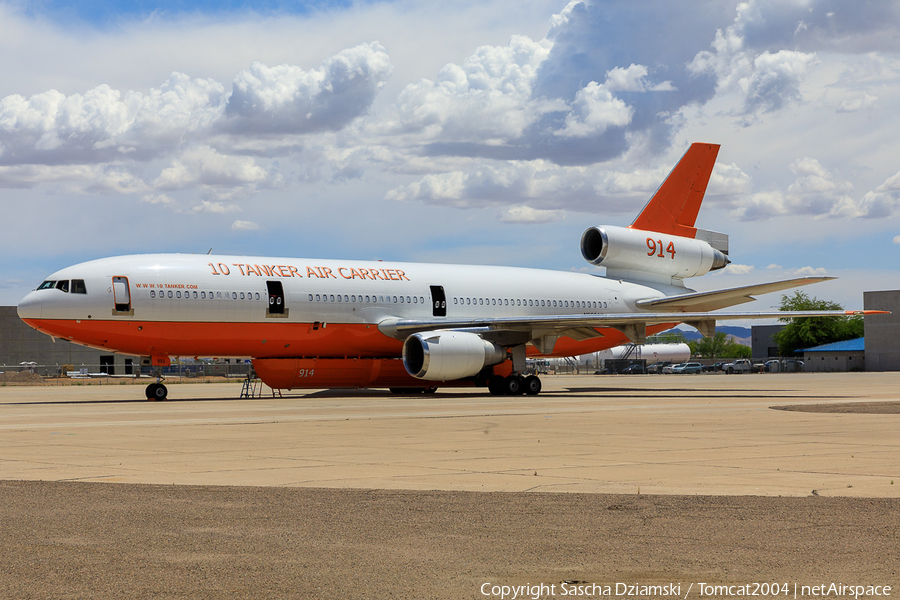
{"x": 806, "y": 332}
{"x": 672, "y": 336}
{"x": 710, "y": 347}
{"x": 719, "y": 346}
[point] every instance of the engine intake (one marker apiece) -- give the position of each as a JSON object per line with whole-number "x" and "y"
{"x": 449, "y": 355}
{"x": 625, "y": 251}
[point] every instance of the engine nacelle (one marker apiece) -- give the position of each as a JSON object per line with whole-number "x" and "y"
{"x": 448, "y": 355}
{"x": 622, "y": 250}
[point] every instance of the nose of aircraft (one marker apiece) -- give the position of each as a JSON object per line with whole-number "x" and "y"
{"x": 30, "y": 307}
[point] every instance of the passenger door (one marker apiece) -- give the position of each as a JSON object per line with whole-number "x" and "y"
{"x": 121, "y": 296}
{"x": 438, "y": 301}
{"x": 276, "y": 307}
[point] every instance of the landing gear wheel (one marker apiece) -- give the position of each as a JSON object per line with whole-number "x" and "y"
{"x": 156, "y": 391}
{"x": 496, "y": 385}
{"x": 532, "y": 385}
{"x": 512, "y": 385}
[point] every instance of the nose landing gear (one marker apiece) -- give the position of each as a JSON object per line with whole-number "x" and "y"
{"x": 157, "y": 391}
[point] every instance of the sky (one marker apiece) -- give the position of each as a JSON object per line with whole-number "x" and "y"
{"x": 485, "y": 132}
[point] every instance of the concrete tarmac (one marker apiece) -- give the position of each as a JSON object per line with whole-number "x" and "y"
{"x": 329, "y": 494}
{"x": 653, "y": 434}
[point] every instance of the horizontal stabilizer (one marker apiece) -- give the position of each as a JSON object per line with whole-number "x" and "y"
{"x": 716, "y": 299}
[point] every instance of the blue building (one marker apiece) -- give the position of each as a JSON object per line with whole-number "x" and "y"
{"x": 849, "y": 355}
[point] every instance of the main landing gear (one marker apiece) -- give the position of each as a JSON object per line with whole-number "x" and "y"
{"x": 514, "y": 385}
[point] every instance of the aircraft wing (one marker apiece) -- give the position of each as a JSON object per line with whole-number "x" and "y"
{"x": 581, "y": 327}
{"x": 717, "y": 299}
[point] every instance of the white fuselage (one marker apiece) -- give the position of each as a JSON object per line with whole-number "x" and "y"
{"x": 124, "y": 296}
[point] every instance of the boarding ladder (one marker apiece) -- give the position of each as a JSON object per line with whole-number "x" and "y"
{"x": 631, "y": 349}
{"x": 253, "y": 388}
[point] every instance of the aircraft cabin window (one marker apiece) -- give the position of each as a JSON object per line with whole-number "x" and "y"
{"x": 195, "y": 295}
{"x": 178, "y": 294}
{"x": 47, "y": 285}
{"x": 153, "y": 293}
{"x": 78, "y": 286}
{"x": 171, "y": 294}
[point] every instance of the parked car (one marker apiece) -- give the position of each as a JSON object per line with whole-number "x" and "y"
{"x": 792, "y": 366}
{"x": 741, "y": 365}
{"x": 658, "y": 367}
{"x": 671, "y": 368}
{"x": 688, "y": 368}
{"x": 634, "y": 370}
{"x": 714, "y": 368}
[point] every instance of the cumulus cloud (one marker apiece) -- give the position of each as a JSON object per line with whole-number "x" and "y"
{"x": 106, "y": 139}
{"x": 816, "y": 192}
{"x": 531, "y": 216}
{"x": 74, "y": 178}
{"x": 809, "y": 271}
{"x": 288, "y": 99}
{"x": 203, "y": 165}
{"x": 158, "y": 199}
{"x": 595, "y": 110}
{"x": 103, "y": 124}
{"x": 218, "y": 208}
{"x": 487, "y": 97}
{"x": 736, "y": 269}
{"x": 860, "y": 102}
{"x": 765, "y": 81}
{"x": 883, "y": 201}
{"x": 541, "y": 185}
{"x": 244, "y": 226}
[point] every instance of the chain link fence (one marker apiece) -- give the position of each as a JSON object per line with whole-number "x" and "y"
{"x": 37, "y": 374}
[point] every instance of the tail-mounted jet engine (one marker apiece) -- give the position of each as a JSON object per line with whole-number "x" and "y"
{"x": 623, "y": 251}
{"x": 448, "y": 355}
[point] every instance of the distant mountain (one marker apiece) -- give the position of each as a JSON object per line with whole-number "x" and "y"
{"x": 741, "y": 335}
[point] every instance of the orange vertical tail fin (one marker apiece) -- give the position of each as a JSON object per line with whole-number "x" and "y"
{"x": 673, "y": 208}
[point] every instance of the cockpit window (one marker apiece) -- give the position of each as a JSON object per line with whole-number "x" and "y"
{"x": 78, "y": 286}
{"x": 47, "y": 285}
{"x": 63, "y": 285}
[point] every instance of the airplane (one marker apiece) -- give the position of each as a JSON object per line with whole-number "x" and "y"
{"x": 316, "y": 323}
{"x": 652, "y": 353}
